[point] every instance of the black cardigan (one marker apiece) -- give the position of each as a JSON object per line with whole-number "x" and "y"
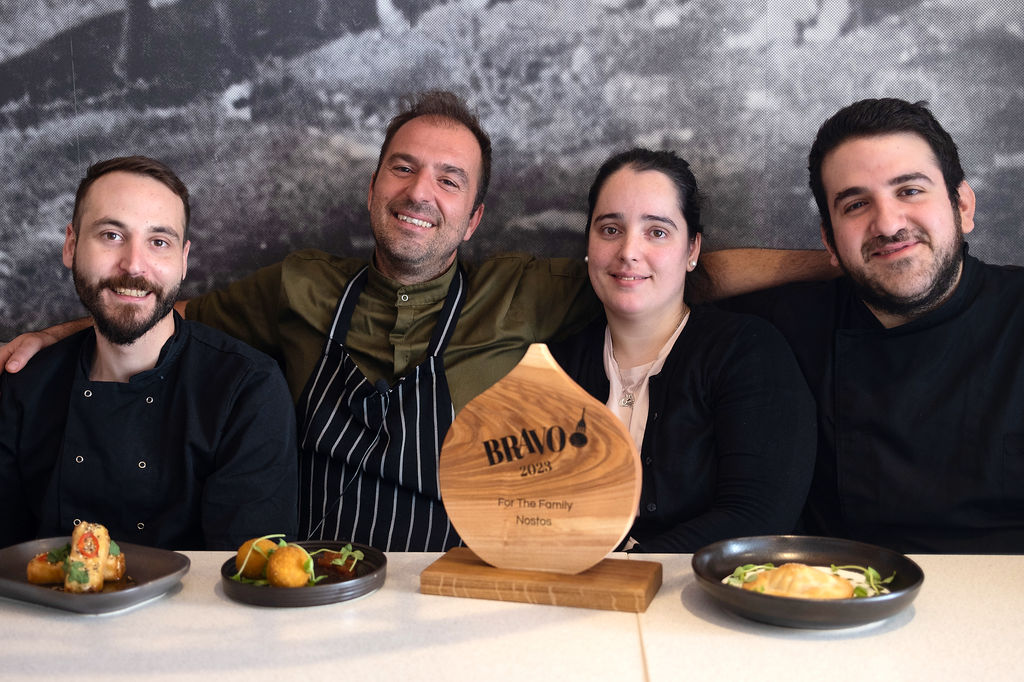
{"x": 728, "y": 449}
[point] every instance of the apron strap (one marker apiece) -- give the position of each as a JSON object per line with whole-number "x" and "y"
{"x": 450, "y": 312}
{"x": 346, "y": 304}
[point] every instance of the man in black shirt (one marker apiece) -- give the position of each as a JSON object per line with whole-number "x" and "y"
{"x": 915, "y": 356}
{"x": 167, "y": 432}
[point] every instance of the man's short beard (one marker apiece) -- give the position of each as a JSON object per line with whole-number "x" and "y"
{"x": 121, "y": 327}
{"x": 877, "y": 298}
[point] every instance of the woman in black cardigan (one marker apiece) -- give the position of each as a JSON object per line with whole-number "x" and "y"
{"x": 715, "y": 402}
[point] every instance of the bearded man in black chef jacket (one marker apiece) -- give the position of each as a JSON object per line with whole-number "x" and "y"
{"x": 168, "y": 432}
{"x": 916, "y": 355}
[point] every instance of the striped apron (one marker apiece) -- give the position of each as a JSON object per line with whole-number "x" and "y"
{"x": 368, "y": 453}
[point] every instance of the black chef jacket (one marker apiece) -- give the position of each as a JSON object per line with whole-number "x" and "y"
{"x": 197, "y": 453}
{"x": 920, "y": 427}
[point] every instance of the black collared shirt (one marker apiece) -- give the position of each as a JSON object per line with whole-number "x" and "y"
{"x": 197, "y": 453}
{"x": 920, "y": 427}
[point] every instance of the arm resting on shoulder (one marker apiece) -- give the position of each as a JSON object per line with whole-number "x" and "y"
{"x": 740, "y": 271}
{"x": 16, "y": 353}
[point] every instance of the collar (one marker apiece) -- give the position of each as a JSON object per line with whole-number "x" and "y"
{"x": 420, "y": 294}
{"x": 168, "y": 353}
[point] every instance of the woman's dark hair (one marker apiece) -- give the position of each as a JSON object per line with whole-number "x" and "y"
{"x": 873, "y": 117}
{"x": 669, "y": 164}
{"x": 677, "y": 170}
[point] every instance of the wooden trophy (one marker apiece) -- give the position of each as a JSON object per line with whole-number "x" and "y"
{"x": 541, "y": 481}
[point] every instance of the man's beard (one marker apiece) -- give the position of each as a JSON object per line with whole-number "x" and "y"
{"x": 944, "y": 280}
{"x": 122, "y": 325}
{"x": 400, "y": 250}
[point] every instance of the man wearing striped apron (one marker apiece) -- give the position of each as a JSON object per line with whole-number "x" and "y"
{"x": 370, "y": 451}
{"x": 374, "y": 399}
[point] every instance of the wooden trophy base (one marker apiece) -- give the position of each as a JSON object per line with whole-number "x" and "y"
{"x": 613, "y": 584}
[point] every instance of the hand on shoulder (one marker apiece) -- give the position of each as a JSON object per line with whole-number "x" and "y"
{"x": 15, "y": 354}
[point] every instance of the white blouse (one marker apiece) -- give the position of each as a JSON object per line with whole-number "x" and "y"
{"x": 632, "y": 381}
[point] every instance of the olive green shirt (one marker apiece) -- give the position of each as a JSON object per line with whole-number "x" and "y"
{"x": 513, "y": 300}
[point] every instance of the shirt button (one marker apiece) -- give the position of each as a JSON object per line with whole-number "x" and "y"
{"x": 142, "y": 465}
{"x": 87, "y": 393}
{"x": 79, "y": 459}
{"x": 648, "y": 461}
{"x": 651, "y": 507}
{"x": 149, "y": 400}
{"x": 404, "y": 297}
{"x": 140, "y": 525}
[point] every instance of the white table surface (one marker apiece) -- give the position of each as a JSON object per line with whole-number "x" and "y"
{"x": 965, "y": 624}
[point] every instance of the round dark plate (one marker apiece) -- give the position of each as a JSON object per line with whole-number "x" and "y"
{"x": 370, "y": 574}
{"x": 716, "y": 561}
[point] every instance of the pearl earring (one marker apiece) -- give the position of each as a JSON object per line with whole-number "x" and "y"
{"x": 693, "y": 264}
{"x": 586, "y": 259}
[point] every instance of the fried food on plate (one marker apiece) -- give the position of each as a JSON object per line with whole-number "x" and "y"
{"x": 289, "y": 566}
{"x": 802, "y": 581}
{"x": 47, "y": 568}
{"x": 251, "y": 560}
{"x": 90, "y": 546}
{"x": 50, "y": 568}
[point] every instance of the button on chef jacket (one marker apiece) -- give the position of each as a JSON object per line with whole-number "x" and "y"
{"x": 197, "y": 453}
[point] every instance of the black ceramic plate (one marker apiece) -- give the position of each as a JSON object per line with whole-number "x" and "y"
{"x": 155, "y": 571}
{"x": 716, "y": 561}
{"x": 370, "y": 574}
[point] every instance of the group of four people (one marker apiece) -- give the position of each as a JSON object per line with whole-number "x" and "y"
{"x": 177, "y": 435}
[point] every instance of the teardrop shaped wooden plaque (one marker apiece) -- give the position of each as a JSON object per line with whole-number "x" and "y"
{"x": 536, "y": 474}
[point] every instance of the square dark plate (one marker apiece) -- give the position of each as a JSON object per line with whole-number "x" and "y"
{"x": 713, "y": 563}
{"x": 155, "y": 571}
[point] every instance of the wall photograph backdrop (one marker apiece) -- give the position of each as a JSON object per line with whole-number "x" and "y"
{"x": 272, "y": 111}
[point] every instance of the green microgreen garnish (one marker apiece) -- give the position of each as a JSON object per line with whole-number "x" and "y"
{"x": 307, "y": 566}
{"x": 747, "y": 573}
{"x": 346, "y": 553}
{"x": 876, "y": 585}
{"x": 115, "y": 549}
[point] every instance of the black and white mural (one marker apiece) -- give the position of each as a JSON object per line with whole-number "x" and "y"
{"x": 273, "y": 111}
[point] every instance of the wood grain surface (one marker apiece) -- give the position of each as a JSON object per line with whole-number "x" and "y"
{"x": 537, "y": 475}
{"x": 612, "y": 584}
